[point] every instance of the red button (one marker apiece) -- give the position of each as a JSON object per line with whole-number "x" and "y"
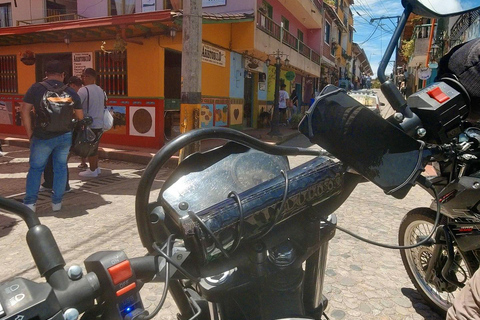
{"x": 126, "y": 289}
{"x": 438, "y": 95}
{"x": 120, "y": 272}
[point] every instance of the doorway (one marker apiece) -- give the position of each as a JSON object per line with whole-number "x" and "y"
{"x": 172, "y": 91}
{"x": 42, "y": 59}
{"x": 248, "y": 99}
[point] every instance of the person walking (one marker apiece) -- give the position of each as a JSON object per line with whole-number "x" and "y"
{"x": 293, "y": 104}
{"x": 54, "y": 139}
{"x": 282, "y": 103}
{"x": 93, "y": 102}
{"x": 75, "y": 83}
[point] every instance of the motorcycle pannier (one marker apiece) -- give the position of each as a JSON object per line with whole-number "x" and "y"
{"x": 371, "y": 145}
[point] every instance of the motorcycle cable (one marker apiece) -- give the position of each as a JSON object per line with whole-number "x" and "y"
{"x": 159, "y": 306}
{"x": 240, "y": 227}
{"x": 423, "y": 181}
{"x": 169, "y": 259}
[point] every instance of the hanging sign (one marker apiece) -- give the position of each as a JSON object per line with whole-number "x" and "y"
{"x": 213, "y": 55}
{"x": 81, "y": 61}
{"x": 424, "y": 73}
{"x": 148, "y": 5}
{"x": 290, "y": 75}
{"x": 213, "y": 3}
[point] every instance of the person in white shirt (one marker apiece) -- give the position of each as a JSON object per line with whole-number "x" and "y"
{"x": 93, "y": 102}
{"x": 283, "y": 98}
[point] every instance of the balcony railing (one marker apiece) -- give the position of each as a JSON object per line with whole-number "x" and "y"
{"x": 58, "y": 17}
{"x": 304, "y": 49}
{"x": 290, "y": 40}
{"x": 273, "y": 29}
{"x": 315, "y": 57}
{"x": 268, "y": 25}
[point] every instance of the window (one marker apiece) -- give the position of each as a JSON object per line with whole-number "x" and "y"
{"x": 5, "y": 15}
{"x": 339, "y": 37}
{"x": 8, "y": 74}
{"x": 351, "y": 35}
{"x": 112, "y": 72}
{"x": 119, "y": 7}
{"x": 300, "y": 35}
{"x": 285, "y": 23}
{"x": 327, "y": 33}
{"x": 267, "y": 9}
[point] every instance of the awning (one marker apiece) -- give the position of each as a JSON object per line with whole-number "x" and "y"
{"x": 417, "y": 61}
{"x": 226, "y": 17}
{"x": 89, "y": 29}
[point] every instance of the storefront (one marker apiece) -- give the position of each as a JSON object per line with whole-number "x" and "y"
{"x": 138, "y": 62}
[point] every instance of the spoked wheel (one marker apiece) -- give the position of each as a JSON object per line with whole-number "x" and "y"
{"x": 438, "y": 293}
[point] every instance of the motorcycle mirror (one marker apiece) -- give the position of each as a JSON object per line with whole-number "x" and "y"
{"x": 441, "y": 8}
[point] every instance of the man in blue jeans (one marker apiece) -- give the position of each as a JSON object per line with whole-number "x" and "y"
{"x": 44, "y": 143}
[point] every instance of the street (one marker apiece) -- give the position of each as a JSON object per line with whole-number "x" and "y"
{"x": 362, "y": 281}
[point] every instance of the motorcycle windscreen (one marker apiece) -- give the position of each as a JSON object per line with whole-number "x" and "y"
{"x": 371, "y": 145}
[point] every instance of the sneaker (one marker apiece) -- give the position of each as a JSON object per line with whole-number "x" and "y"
{"x": 99, "y": 170}
{"x": 82, "y": 166}
{"x": 88, "y": 174}
{"x": 68, "y": 190}
{"x": 2, "y": 154}
{"x": 31, "y": 206}
{"x": 42, "y": 188}
{"x": 56, "y": 206}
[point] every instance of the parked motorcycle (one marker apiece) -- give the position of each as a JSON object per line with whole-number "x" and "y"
{"x": 234, "y": 233}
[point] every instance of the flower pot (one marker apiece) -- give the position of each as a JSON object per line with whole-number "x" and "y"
{"x": 117, "y": 56}
{"x": 28, "y": 61}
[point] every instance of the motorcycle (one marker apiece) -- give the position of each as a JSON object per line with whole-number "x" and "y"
{"x": 235, "y": 233}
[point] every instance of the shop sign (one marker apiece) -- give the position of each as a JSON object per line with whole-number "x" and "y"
{"x": 148, "y": 5}
{"x": 424, "y": 73}
{"x": 213, "y": 55}
{"x": 290, "y": 75}
{"x": 81, "y": 61}
{"x": 213, "y": 3}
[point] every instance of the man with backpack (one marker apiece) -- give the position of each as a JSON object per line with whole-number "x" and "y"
{"x": 93, "y": 102}
{"x": 54, "y": 104}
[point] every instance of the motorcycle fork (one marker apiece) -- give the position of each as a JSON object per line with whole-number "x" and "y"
{"x": 442, "y": 238}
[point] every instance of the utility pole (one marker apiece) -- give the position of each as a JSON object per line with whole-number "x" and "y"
{"x": 191, "y": 71}
{"x": 398, "y": 45}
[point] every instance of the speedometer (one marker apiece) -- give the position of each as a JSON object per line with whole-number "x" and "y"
{"x": 252, "y": 168}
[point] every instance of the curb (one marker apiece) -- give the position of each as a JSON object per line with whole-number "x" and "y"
{"x": 144, "y": 157}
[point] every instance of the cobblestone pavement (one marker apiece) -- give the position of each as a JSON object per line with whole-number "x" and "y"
{"x": 362, "y": 282}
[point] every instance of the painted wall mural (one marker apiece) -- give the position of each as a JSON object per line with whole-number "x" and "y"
{"x": 119, "y": 120}
{"x": 221, "y": 115}
{"x": 206, "y": 115}
{"x": 236, "y": 114}
{"x": 142, "y": 121}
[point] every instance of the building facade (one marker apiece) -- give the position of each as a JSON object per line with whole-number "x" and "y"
{"x": 136, "y": 48}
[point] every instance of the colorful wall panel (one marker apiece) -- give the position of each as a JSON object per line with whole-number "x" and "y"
{"x": 236, "y": 114}
{"x": 142, "y": 121}
{"x": 206, "y": 115}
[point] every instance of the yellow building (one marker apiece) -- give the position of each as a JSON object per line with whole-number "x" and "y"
{"x": 136, "y": 52}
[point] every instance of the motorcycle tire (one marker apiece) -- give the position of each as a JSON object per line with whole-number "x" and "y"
{"x": 417, "y": 222}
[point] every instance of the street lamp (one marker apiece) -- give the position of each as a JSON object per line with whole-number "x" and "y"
{"x": 275, "y": 131}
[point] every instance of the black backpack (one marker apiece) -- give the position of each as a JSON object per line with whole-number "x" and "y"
{"x": 55, "y": 112}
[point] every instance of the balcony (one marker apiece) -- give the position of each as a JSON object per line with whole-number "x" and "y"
{"x": 275, "y": 31}
{"x": 51, "y": 18}
{"x": 307, "y": 11}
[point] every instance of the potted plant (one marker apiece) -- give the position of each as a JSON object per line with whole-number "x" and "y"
{"x": 295, "y": 120}
{"x": 27, "y": 57}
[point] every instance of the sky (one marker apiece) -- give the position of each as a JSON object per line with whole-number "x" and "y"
{"x": 373, "y": 37}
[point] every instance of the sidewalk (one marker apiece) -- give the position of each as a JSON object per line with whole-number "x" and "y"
{"x": 144, "y": 155}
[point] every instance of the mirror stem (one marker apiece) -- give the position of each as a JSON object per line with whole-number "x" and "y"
{"x": 393, "y": 44}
